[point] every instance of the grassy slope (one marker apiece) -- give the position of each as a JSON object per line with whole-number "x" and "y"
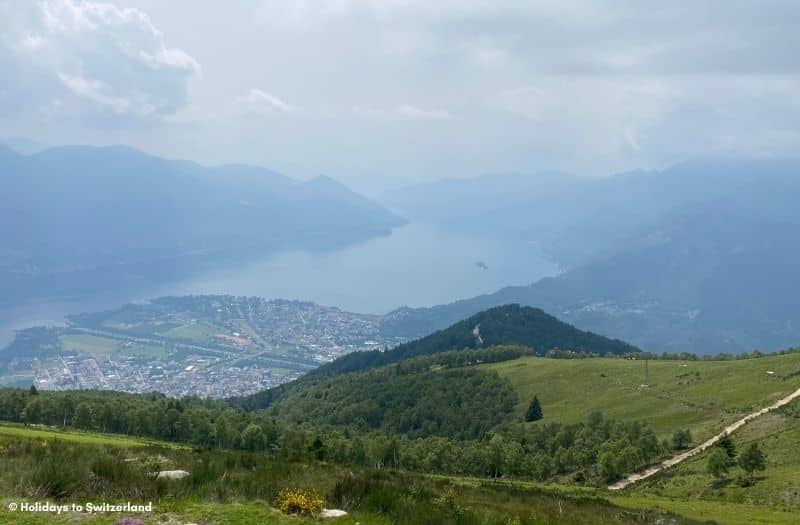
{"x": 10, "y": 430}
{"x": 569, "y": 390}
{"x": 676, "y": 398}
{"x": 778, "y": 487}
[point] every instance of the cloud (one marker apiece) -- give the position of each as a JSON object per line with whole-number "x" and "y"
{"x": 402, "y": 112}
{"x": 411, "y": 86}
{"x": 561, "y": 37}
{"x": 89, "y": 59}
{"x": 414, "y": 113}
{"x": 259, "y": 99}
{"x": 660, "y": 118}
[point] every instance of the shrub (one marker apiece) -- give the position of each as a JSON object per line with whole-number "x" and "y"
{"x": 300, "y": 501}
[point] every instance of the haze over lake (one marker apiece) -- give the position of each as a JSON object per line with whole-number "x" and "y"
{"x": 417, "y": 265}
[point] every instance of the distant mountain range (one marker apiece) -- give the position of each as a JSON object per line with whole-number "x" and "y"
{"x": 702, "y": 257}
{"x": 70, "y": 214}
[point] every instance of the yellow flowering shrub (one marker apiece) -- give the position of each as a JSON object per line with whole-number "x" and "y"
{"x": 300, "y": 501}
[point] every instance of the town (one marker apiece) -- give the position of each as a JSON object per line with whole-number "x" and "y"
{"x": 205, "y": 346}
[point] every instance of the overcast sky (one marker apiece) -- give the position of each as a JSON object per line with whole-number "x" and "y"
{"x": 381, "y": 93}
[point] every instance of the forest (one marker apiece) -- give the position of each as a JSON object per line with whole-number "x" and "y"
{"x": 510, "y": 324}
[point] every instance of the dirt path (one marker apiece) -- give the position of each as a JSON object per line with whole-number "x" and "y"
{"x": 730, "y": 429}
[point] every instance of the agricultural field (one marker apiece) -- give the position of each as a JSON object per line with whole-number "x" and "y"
{"x": 88, "y": 344}
{"x": 702, "y": 396}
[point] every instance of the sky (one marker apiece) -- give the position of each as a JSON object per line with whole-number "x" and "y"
{"x": 380, "y": 94}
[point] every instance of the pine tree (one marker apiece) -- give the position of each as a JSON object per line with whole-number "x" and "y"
{"x": 534, "y": 412}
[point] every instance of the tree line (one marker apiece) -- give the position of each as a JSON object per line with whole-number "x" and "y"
{"x": 596, "y": 450}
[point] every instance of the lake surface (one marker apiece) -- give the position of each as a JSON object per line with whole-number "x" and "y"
{"x": 417, "y": 265}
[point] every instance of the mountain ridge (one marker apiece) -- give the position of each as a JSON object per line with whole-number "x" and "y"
{"x": 155, "y": 209}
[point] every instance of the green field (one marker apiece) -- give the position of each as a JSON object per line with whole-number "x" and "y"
{"x": 196, "y": 332}
{"x": 9, "y": 430}
{"x": 700, "y": 395}
{"x": 96, "y": 346}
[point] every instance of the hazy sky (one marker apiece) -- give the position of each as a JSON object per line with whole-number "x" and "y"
{"x": 378, "y": 93}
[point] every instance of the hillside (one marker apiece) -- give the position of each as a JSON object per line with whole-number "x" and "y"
{"x": 703, "y": 395}
{"x": 696, "y": 258}
{"x": 457, "y": 413}
{"x": 159, "y": 217}
{"x": 776, "y": 487}
{"x": 508, "y": 324}
{"x": 457, "y": 403}
{"x": 225, "y": 487}
{"x": 465, "y": 393}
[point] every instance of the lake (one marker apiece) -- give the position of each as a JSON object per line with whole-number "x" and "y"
{"x": 417, "y": 265}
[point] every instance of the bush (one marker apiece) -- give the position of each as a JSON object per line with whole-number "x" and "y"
{"x": 299, "y": 501}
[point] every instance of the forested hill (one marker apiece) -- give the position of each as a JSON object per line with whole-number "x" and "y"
{"x": 508, "y": 324}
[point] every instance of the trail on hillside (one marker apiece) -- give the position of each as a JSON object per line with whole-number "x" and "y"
{"x": 730, "y": 429}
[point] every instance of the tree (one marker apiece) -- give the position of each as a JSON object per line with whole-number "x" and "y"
{"x": 681, "y": 438}
{"x": 32, "y": 412}
{"x": 205, "y": 434}
{"x": 534, "y": 412}
{"x": 83, "y": 416}
{"x": 726, "y": 443}
{"x": 496, "y": 446}
{"x": 32, "y": 391}
{"x": 317, "y": 448}
{"x": 609, "y": 466}
{"x": 719, "y": 463}
{"x": 253, "y": 437}
{"x": 752, "y": 459}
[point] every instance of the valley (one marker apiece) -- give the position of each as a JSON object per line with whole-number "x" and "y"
{"x": 210, "y": 346}
{"x": 435, "y": 430}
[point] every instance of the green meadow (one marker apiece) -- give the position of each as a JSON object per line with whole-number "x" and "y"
{"x": 13, "y": 431}
{"x": 773, "y": 495}
{"x": 700, "y": 395}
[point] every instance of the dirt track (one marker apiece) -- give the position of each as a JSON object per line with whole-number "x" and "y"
{"x": 730, "y": 429}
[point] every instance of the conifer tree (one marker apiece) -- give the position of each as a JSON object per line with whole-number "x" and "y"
{"x": 534, "y": 412}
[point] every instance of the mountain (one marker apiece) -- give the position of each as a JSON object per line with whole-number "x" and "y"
{"x": 429, "y": 387}
{"x": 502, "y": 325}
{"x": 726, "y": 283}
{"x": 23, "y": 145}
{"x": 576, "y": 219}
{"x": 504, "y": 332}
{"x": 77, "y": 211}
{"x": 710, "y": 266}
